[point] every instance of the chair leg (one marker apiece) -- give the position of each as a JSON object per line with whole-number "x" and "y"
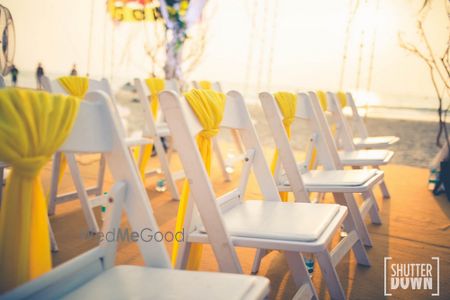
{"x": 374, "y": 210}
{"x": 183, "y": 255}
{"x": 53, "y": 243}
{"x": 384, "y": 190}
{"x": 383, "y": 187}
{"x": 358, "y": 248}
{"x": 353, "y": 209}
{"x": 219, "y": 155}
{"x": 330, "y": 275}
{"x": 260, "y": 253}
{"x": 79, "y": 186}
{"x": 101, "y": 175}
{"x": 54, "y": 183}
{"x": 301, "y": 277}
{"x": 165, "y": 167}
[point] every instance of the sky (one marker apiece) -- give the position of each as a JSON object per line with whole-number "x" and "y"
{"x": 255, "y": 44}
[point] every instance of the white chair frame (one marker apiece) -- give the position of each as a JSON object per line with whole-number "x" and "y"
{"x": 328, "y": 158}
{"x": 208, "y": 211}
{"x": 362, "y": 140}
{"x": 155, "y": 129}
{"x": 81, "y": 192}
{"x": 96, "y": 116}
{"x": 350, "y": 156}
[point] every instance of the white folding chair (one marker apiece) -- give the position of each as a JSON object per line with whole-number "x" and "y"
{"x": 155, "y": 129}
{"x": 332, "y": 179}
{"x": 344, "y": 140}
{"x": 227, "y": 164}
{"x": 93, "y": 275}
{"x": 228, "y": 221}
{"x": 81, "y": 193}
{"x": 362, "y": 140}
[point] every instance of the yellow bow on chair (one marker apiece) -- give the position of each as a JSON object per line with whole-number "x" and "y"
{"x": 75, "y": 86}
{"x": 208, "y": 106}
{"x": 322, "y": 100}
{"x": 155, "y": 85}
{"x": 287, "y": 103}
{"x": 33, "y": 125}
{"x": 342, "y": 97}
{"x": 205, "y": 85}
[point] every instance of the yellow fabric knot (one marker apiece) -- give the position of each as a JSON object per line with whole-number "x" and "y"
{"x": 287, "y": 122}
{"x": 287, "y": 103}
{"x": 29, "y": 167}
{"x": 342, "y": 97}
{"x": 208, "y": 106}
{"x": 75, "y": 85}
{"x": 33, "y": 125}
{"x": 155, "y": 85}
{"x": 205, "y": 84}
{"x": 322, "y": 100}
{"x": 209, "y": 133}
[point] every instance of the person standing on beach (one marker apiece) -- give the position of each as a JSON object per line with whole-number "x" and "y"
{"x": 74, "y": 71}
{"x": 39, "y": 75}
{"x": 14, "y": 75}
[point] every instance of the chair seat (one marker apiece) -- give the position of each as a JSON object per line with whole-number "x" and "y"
{"x": 276, "y": 220}
{"x": 338, "y": 177}
{"x": 135, "y": 282}
{"x": 365, "y": 157}
{"x": 375, "y": 142}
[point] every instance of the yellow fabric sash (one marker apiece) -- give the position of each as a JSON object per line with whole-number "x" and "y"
{"x": 208, "y": 106}
{"x": 155, "y": 85}
{"x": 33, "y": 125}
{"x": 287, "y": 102}
{"x": 342, "y": 97}
{"x": 75, "y": 86}
{"x": 322, "y": 100}
{"x": 205, "y": 85}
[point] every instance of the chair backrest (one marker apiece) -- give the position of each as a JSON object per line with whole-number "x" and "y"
{"x": 285, "y": 152}
{"x": 343, "y": 136}
{"x": 214, "y": 84}
{"x": 144, "y": 95}
{"x": 184, "y": 126}
{"x": 358, "y": 121}
{"x": 331, "y": 156}
{"x": 53, "y": 86}
{"x": 306, "y": 110}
